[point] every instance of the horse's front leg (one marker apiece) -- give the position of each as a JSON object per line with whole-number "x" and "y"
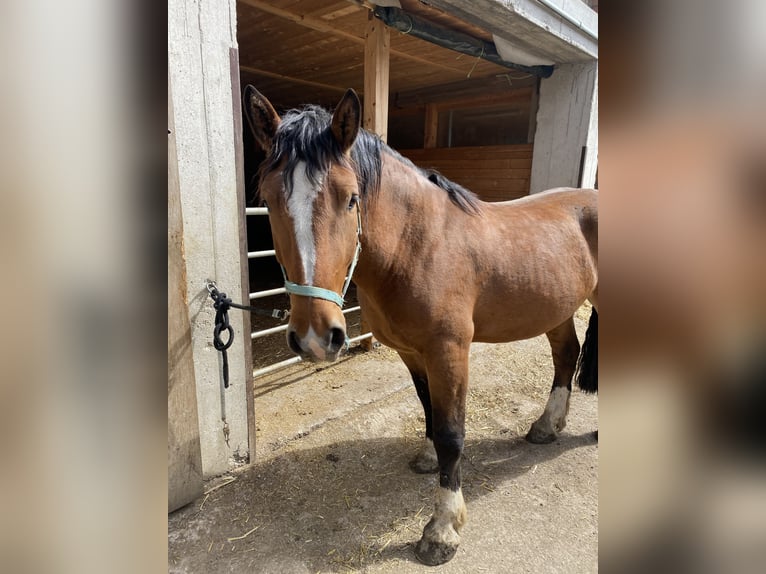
{"x": 447, "y": 382}
{"x": 425, "y": 461}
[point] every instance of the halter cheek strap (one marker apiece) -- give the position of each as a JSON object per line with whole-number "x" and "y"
{"x": 321, "y": 293}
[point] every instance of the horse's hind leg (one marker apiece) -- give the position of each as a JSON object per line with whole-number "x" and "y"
{"x": 565, "y": 349}
{"x": 425, "y": 461}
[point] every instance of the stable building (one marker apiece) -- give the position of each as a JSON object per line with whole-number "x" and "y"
{"x": 501, "y": 97}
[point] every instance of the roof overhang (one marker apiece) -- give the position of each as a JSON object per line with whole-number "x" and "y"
{"x": 535, "y": 32}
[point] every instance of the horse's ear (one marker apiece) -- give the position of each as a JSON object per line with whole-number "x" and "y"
{"x": 346, "y": 120}
{"x": 261, "y": 116}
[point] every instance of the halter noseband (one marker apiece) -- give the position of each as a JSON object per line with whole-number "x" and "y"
{"x": 319, "y": 292}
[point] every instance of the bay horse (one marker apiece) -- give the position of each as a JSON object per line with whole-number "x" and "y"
{"x": 435, "y": 269}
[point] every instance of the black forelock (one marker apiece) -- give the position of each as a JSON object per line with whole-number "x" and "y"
{"x": 304, "y": 135}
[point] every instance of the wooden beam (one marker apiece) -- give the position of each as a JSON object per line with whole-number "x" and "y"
{"x": 376, "y": 68}
{"x": 322, "y": 26}
{"x": 377, "y": 52}
{"x": 259, "y": 72}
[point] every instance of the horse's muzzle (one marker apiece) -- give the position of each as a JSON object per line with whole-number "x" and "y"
{"x": 316, "y": 348}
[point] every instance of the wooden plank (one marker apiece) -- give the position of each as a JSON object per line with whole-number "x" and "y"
{"x": 522, "y": 151}
{"x": 431, "y": 126}
{"x": 239, "y": 165}
{"x": 495, "y": 173}
{"x": 455, "y": 95}
{"x": 480, "y": 183}
{"x": 512, "y": 156}
{"x": 267, "y": 74}
{"x": 484, "y": 173}
{"x": 344, "y": 9}
{"x": 484, "y": 149}
{"x": 184, "y": 454}
{"x": 500, "y": 163}
{"x": 323, "y": 26}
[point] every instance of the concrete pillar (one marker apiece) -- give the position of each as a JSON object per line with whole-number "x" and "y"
{"x": 567, "y": 128}
{"x": 200, "y": 36}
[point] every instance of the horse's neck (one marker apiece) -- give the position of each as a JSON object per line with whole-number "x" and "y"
{"x": 402, "y": 217}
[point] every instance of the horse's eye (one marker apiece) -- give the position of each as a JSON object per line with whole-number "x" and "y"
{"x": 353, "y": 201}
{"x": 264, "y": 204}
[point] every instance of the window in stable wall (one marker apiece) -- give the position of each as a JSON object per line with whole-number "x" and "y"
{"x": 462, "y": 125}
{"x": 483, "y": 125}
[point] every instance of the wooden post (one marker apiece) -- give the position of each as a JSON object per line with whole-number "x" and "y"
{"x": 376, "y": 61}
{"x": 184, "y": 455}
{"x": 376, "y": 65}
{"x": 431, "y": 127}
{"x": 239, "y": 162}
{"x": 200, "y": 70}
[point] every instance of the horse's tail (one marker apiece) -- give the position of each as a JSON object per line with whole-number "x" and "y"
{"x": 586, "y": 374}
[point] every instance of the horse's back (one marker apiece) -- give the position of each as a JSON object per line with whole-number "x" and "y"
{"x": 556, "y": 196}
{"x": 557, "y": 206}
{"x": 545, "y": 265}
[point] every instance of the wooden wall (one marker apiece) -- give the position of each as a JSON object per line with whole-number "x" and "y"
{"x": 494, "y": 173}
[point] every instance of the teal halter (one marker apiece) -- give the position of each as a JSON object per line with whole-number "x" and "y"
{"x": 319, "y": 292}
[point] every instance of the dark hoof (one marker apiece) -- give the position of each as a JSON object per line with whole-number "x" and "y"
{"x": 537, "y": 436}
{"x": 432, "y": 553}
{"x": 438, "y": 543}
{"x": 424, "y": 465}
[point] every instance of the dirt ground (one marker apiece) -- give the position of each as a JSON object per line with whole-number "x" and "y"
{"x": 331, "y": 490}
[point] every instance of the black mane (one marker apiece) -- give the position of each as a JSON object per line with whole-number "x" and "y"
{"x": 304, "y": 136}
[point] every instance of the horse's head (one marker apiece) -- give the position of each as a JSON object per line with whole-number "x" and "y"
{"x": 310, "y": 188}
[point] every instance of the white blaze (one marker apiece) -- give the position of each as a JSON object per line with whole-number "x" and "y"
{"x": 300, "y": 205}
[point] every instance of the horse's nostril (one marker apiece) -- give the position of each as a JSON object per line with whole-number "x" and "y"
{"x": 292, "y": 342}
{"x": 337, "y": 339}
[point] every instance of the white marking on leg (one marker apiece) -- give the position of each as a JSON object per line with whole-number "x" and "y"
{"x": 441, "y": 536}
{"x": 449, "y": 517}
{"x": 300, "y": 205}
{"x": 558, "y": 403}
{"x": 555, "y": 413}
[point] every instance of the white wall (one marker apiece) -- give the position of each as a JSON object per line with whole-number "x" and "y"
{"x": 200, "y": 35}
{"x": 567, "y": 120}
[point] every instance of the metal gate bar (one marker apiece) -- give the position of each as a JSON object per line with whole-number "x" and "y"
{"x": 257, "y": 254}
{"x": 294, "y": 360}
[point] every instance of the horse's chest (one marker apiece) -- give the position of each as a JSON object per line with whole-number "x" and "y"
{"x": 390, "y": 322}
